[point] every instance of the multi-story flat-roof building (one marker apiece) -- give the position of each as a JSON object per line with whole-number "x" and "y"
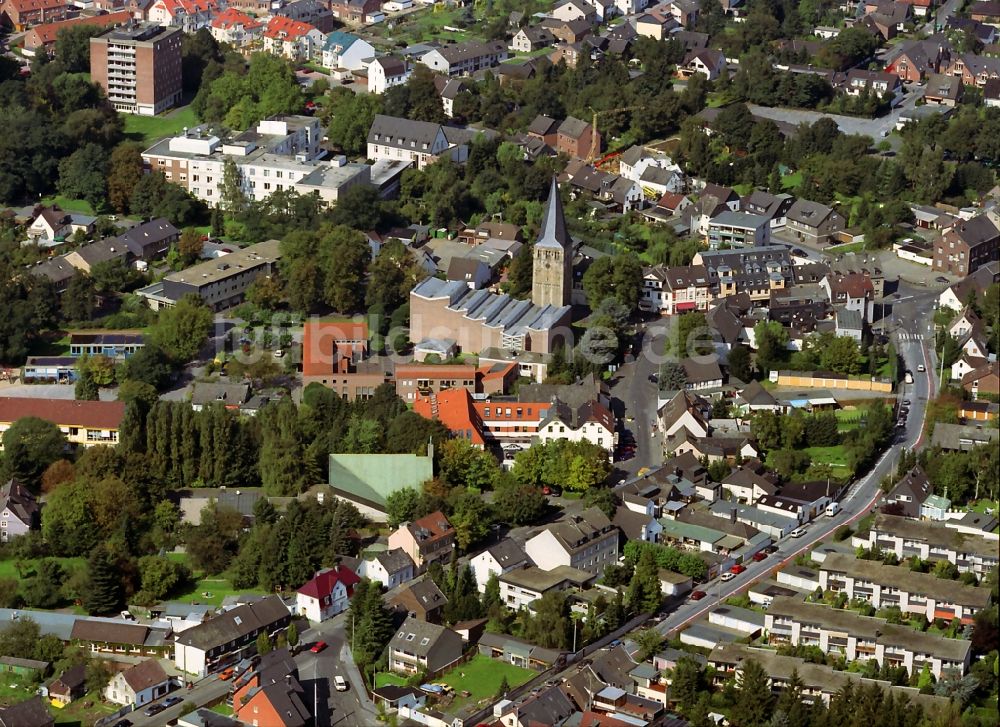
{"x": 738, "y": 229}
{"x": 861, "y": 638}
{"x": 883, "y": 586}
{"x": 139, "y": 67}
{"x": 221, "y": 282}
{"x": 931, "y": 541}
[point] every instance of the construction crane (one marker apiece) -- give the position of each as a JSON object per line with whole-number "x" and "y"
{"x": 595, "y": 143}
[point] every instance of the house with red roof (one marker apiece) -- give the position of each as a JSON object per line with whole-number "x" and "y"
{"x": 236, "y": 28}
{"x": 426, "y": 540}
{"x": 188, "y": 15}
{"x": 85, "y": 423}
{"x": 21, "y": 14}
{"x": 327, "y": 594}
{"x": 43, "y": 37}
{"x": 293, "y": 39}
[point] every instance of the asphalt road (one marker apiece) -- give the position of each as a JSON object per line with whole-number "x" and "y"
{"x": 860, "y": 498}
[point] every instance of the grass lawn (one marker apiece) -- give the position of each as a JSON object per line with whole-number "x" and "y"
{"x": 14, "y": 689}
{"x": 79, "y": 713}
{"x": 222, "y": 708}
{"x": 848, "y": 419}
{"x": 70, "y": 205}
{"x": 481, "y": 677}
{"x": 844, "y": 249}
{"x": 218, "y": 586}
{"x": 8, "y": 569}
{"x": 836, "y": 457}
{"x": 385, "y": 678}
{"x": 791, "y": 181}
{"x": 983, "y": 505}
{"x": 148, "y": 129}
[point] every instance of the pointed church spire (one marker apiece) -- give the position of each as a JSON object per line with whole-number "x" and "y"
{"x": 553, "y": 233}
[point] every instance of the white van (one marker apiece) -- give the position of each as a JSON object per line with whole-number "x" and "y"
{"x": 832, "y": 509}
{"x": 339, "y": 683}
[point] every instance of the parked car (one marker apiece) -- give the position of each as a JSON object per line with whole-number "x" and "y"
{"x": 727, "y": 576}
{"x": 226, "y": 674}
{"x": 758, "y": 556}
{"x": 940, "y": 279}
{"x": 172, "y": 700}
{"x": 318, "y": 647}
{"x": 153, "y": 710}
{"x": 339, "y": 683}
{"x": 124, "y": 723}
{"x": 920, "y": 368}
{"x": 737, "y": 569}
{"x": 771, "y": 549}
{"x": 798, "y": 532}
{"x": 697, "y": 595}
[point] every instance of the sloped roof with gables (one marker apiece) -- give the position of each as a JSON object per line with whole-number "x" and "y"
{"x": 144, "y": 675}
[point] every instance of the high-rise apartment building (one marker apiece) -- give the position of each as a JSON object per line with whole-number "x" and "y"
{"x": 139, "y": 67}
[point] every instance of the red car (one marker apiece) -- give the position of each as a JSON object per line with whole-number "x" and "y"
{"x": 737, "y": 569}
{"x": 697, "y": 595}
{"x": 318, "y": 647}
{"x": 758, "y": 557}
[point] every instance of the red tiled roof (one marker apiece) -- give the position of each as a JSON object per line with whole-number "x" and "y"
{"x": 325, "y": 342}
{"x": 26, "y": 6}
{"x": 856, "y": 285}
{"x": 89, "y": 414}
{"x": 322, "y": 584}
{"x": 231, "y": 17}
{"x": 436, "y": 525}
{"x": 188, "y": 7}
{"x": 282, "y": 28}
{"x": 670, "y": 200}
{"x": 45, "y": 34}
{"x": 454, "y": 409}
{"x": 489, "y": 372}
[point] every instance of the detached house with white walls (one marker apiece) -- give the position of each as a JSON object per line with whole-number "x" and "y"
{"x": 587, "y": 542}
{"x": 347, "y": 51}
{"x": 327, "y": 594}
{"x": 140, "y": 684}
{"x": 498, "y": 559}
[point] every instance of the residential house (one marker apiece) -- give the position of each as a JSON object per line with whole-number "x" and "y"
{"x": 852, "y": 292}
{"x": 588, "y": 541}
{"x": 735, "y": 229}
{"x": 684, "y": 12}
{"x": 464, "y": 59}
{"x": 701, "y": 375}
{"x": 139, "y": 684}
{"x": 570, "y": 33}
{"x": 346, "y": 50}
{"x": 973, "y": 69}
{"x": 850, "y": 323}
{"x": 68, "y": 686}
{"x": 388, "y": 567}
{"x": 914, "y": 60}
{"x": 708, "y": 62}
{"x": 86, "y": 257}
{"x": 991, "y": 93}
{"x": 355, "y": 12}
{"x": 326, "y": 594}
{"x": 531, "y": 39}
{"x": 962, "y": 437}
{"x": 512, "y": 650}
{"x": 985, "y": 11}
{"x": 756, "y": 398}
{"x": 52, "y": 225}
{"x": 813, "y": 223}
{"x": 908, "y": 495}
{"x": 421, "y": 600}
{"x": 42, "y": 38}
{"x": 188, "y": 15}
{"x": 22, "y": 14}
{"x": 577, "y": 139}
{"x": 293, "y": 39}
{"x": 967, "y": 331}
{"x": 416, "y": 141}
{"x": 385, "y": 72}
{"x": 420, "y": 647}
{"x": 774, "y": 207}
{"x": 673, "y": 290}
{"x": 236, "y": 28}
{"x": 684, "y": 411}
{"x": 204, "y": 648}
{"x": 957, "y": 296}
{"x": 574, "y": 10}
{"x": 449, "y": 89}
{"x": 591, "y": 421}
{"x": 19, "y": 511}
{"x": 498, "y": 559}
{"x": 549, "y": 707}
{"x": 843, "y": 632}
{"x": 929, "y": 540}
{"x": 270, "y": 694}
{"x": 983, "y": 380}
{"x": 84, "y": 423}
{"x": 748, "y": 483}
{"x": 29, "y": 713}
{"x": 656, "y": 23}
{"x": 150, "y": 240}
{"x": 943, "y": 90}
{"x": 967, "y": 246}
{"x": 879, "y": 83}
{"x": 426, "y": 540}
{"x": 313, "y": 12}
{"x": 521, "y": 587}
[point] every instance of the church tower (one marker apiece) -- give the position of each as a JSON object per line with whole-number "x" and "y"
{"x": 552, "y": 269}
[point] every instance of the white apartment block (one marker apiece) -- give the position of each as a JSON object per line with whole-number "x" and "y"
{"x": 587, "y": 542}
{"x": 931, "y": 541}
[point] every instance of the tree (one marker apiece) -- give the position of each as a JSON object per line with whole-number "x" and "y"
{"x": 190, "y": 245}
{"x": 72, "y": 48}
{"x": 58, "y": 473}
{"x": 649, "y": 642}
{"x": 19, "y": 638}
{"x": 181, "y": 331}
{"x": 83, "y": 175}
{"x": 348, "y": 256}
{"x": 292, "y": 634}
{"x": 739, "y": 363}
{"x": 618, "y": 277}
{"x": 469, "y": 517}
{"x": 400, "y": 506}
{"x": 78, "y": 300}
{"x": 520, "y": 273}
{"x": 30, "y": 445}
{"x": 264, "y": 644}
{"x": 771, "y": 339}
{"x": 673, "y": 377}
{"x": 754, "y": 698}
{"x": 503, "y": 688}
{"x": 463, "y": 464}
{"x": 43, "y": 589}
{"x": 160, "y": 575}
{"x": 516, "y": 503}
{"x": 393, "y": 274}
{"x": 104, "y": 593}
{"x": 686, "y": 682}
{"x": 645, "y": 594}
{"x": 266, "y": 292}
{"x": 691, "y": 335}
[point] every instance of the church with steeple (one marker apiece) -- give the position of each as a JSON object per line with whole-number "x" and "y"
{"x": 552, "y": 268}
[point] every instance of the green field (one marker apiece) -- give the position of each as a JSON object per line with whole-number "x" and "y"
{"x": 836, "y": 457}
{"x": 68, "y": 204}
{"x": 217, "y": 586}
{"x": 480, "y": 677}
{"x": 386, "y": 678}
{"x": 791, "y": 181}
{"x": 148, "y": 129}
{"x": 8, "y": 568}
{"x": 848, "y": 419}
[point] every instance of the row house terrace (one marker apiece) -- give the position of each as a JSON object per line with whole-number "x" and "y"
{"x": 883, "y": 586}
{"x": 789, "y": 620}
{"x": 931, "y": 541}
